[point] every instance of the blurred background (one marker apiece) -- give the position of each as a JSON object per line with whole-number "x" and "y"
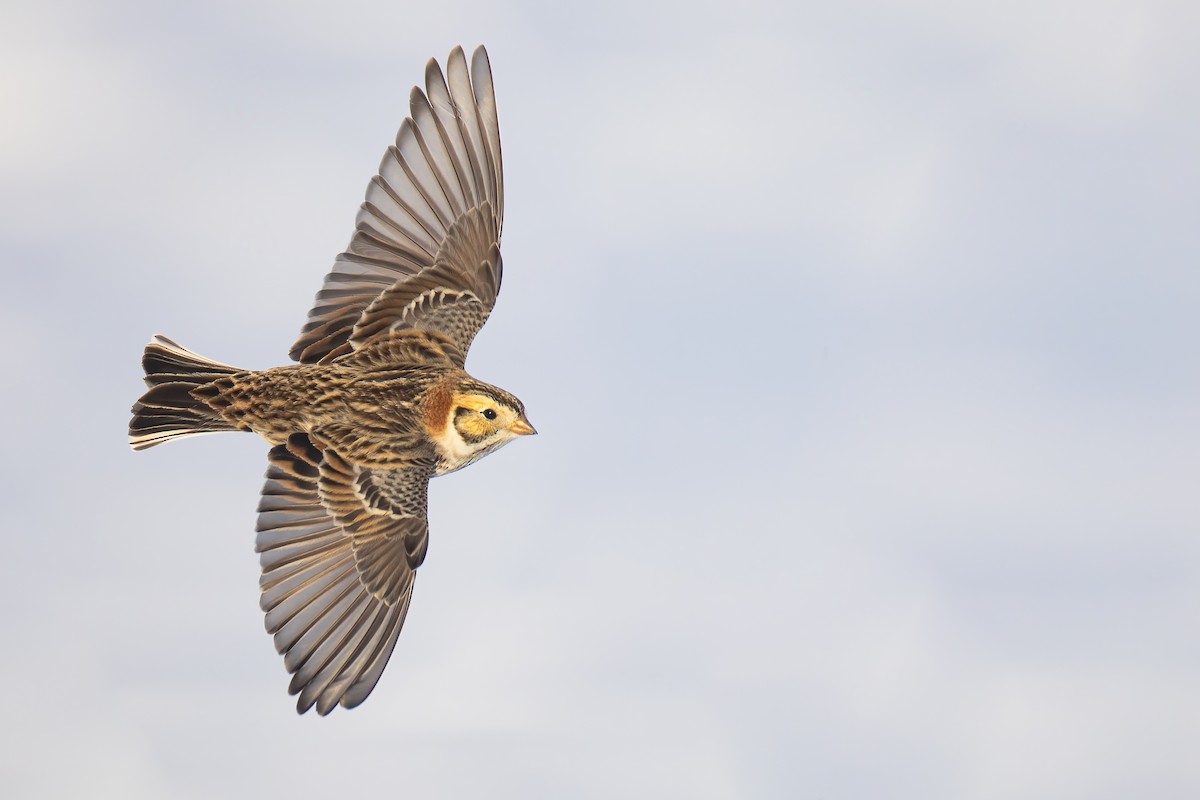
{"x": 864, "y": 343}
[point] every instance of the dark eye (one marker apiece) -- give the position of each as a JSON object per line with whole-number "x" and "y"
{"x": 489, "y": 413}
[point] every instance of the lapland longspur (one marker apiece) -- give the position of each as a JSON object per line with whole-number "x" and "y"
{"x": 380, "y": 401}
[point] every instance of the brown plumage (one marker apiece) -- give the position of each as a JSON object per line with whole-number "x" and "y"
{"x": 380, "y": 401}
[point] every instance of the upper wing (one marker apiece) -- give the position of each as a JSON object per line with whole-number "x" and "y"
{"x": 438, "y": 200}
{"x": 339, "y": 548}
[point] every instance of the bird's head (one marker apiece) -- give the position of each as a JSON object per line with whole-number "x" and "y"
{"x": 483, "y": 413}
{"x": 482, "y": 419}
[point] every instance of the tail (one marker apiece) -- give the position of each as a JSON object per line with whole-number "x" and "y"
{"x": 171, "y": 409}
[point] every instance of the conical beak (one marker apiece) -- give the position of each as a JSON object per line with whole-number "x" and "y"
{"x": 522, "y": 427}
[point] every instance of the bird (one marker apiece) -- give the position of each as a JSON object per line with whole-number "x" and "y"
{"x": 379, "y": 402}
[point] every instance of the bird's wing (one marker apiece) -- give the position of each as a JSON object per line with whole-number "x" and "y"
{"x": 339, "y": 549}
{"x": 425, "y": 251}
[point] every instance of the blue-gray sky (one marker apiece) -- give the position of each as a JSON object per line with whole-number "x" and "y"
{"x": 864, "y": 343}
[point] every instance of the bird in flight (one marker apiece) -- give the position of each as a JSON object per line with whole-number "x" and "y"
{"x": 379, "y": 402}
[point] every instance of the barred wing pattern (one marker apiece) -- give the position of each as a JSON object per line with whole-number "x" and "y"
{"x": 438, "y": 200}
{"x": 339, "y": 548}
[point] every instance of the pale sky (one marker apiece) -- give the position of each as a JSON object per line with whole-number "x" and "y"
{"x": 864, "y": 344}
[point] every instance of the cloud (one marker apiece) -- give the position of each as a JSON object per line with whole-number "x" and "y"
{"x": 859, "y": 338}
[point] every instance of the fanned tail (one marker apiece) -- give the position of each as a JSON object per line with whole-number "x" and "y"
{"x": 170, "y": 409}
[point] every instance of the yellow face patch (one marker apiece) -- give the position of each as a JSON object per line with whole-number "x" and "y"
{"x": 478, "y": 417}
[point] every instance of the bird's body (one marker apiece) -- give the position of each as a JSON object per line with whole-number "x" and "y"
{"x": 380, "y": 401}
{"x": 389, "y": 405}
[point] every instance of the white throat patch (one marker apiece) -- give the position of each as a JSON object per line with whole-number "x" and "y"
{"x": 455, "y": 453}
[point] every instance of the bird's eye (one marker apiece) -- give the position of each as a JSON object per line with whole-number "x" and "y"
{"x": 489, "y": 413}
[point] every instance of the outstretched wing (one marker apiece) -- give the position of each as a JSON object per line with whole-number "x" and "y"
{"x": 339, "y": 549}
{"x": 425, "y": 252}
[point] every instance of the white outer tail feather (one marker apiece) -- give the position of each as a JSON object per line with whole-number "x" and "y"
{"x": 169, "y": 410}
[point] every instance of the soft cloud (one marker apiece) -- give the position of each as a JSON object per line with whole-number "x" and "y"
{"x": 860, "y": 338}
